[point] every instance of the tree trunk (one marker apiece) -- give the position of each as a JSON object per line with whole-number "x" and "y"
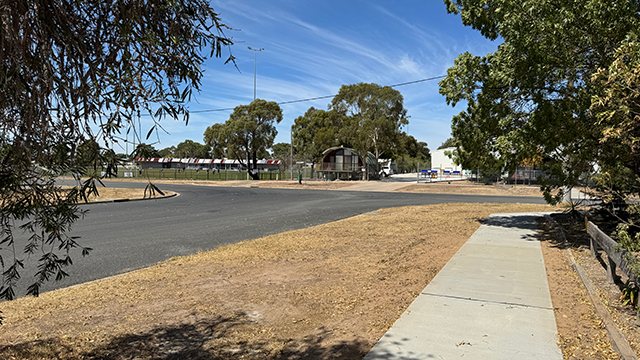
{"x": 255, "y": 175}
{"x": 377, "y": 163}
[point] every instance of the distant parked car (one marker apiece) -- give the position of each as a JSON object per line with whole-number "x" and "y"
{"x": 387, "y": 167}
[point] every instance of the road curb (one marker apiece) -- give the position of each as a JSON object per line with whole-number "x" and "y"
{"x": 126, "y": 200}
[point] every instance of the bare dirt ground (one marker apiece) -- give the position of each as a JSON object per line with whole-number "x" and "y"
{"x": 623, "y": 315}
{"x": 106, "y": 194}
{"x": 326, "y": 292}
{"x": 581, "y": 333}
{"x": 456, "y": 187}
{"x": 319, "y": 185}
{"x": 471, "y": 188}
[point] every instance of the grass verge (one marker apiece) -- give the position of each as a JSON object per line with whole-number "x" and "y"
{"x": 325, "y": 292}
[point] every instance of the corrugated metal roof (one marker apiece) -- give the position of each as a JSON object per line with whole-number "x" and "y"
{"x": 202, "y": 161}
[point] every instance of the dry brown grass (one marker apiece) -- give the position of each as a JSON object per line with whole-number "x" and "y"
{"x": 106, "y": 194}
{"x": 456, "y": 187}
{"x": 313, "y": 185}
{"x": 326, "y": 292}
{"x": 469, "y": 188}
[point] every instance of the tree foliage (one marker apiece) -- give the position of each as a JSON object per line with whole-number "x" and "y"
{"x": 315, "y": 132}
{"x": 212, "y": 139}
{"x": 74, "y": 72}
{"x": 450, "y": 142}
{"x": 413, "y": 153}
{"x": 532, "y": 97}
{"x": 167, "y": 152}
{"x": 372, "y": 117}
{"x": 250, "y": 131}
{"x": 145, "y": 151}
{"x": 280, "y": 151}
{"x": 617, "y": 110}
{"x": 191, "y": 149}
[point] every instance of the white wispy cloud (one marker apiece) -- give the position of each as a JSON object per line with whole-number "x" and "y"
{"x": 312, "y": 48}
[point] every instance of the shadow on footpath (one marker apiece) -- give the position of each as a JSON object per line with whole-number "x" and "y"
{"x": 217, "y": 338}
{"x": 509, "y": 222}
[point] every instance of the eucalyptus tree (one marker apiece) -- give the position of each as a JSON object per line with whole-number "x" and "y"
{"x": 532, "y": 97}
{"x": 280, "y": 151}
{"x": 213, "y": 142}
{"x": 167, "y": 152}
{"x": 72, "y": 71}
{"x": 373, "y": 116}
{"x": 413, "y": 153}
{"x": 143, "y": 150}
{"x": 191, "y": 149}
{"x": 250, "y": 131}
{"x": 314, "y": 132}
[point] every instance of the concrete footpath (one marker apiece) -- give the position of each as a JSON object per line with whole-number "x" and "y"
{"x": 490, "y": 301}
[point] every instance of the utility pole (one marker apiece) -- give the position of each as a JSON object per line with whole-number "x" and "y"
{"x": 291, "y": 152}
{"x": 255, "y": 67}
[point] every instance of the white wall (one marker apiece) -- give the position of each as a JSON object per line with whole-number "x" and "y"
{"x": 440, "y": 161}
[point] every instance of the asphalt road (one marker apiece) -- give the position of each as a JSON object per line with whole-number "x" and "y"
{"x": 132, "y": 235}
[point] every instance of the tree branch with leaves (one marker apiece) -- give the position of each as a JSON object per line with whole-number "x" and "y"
{"x": 533, "y": 95}
{"x": 78, "y": 71}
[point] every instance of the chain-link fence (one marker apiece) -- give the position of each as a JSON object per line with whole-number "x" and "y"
{"x": 213, "y": 175}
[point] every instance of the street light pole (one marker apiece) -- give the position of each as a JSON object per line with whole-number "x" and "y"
{"x": 255, "y": 67}
{"x": 255, "y": 70}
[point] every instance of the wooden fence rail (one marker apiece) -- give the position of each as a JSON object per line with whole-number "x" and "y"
{"x": 617, "y": 255}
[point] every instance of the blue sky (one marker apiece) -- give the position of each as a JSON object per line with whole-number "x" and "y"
{"x": 314, "y": 47}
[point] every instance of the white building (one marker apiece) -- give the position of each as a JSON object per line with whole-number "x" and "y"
{"x": 442, "y": 162}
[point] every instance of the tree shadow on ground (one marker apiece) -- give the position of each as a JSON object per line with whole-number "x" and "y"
{"x": 575, "y": 232}
{"x": 212, "y": 338}
{"x": 510, "y": 222}
{"x": 578, "y": 237}
{"x": 547, "y": 234}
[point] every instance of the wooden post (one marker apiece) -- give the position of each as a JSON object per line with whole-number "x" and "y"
{"x": 592, "y": 247}
{"x": 611, "y": 270}
{"x": 592, "y": 244}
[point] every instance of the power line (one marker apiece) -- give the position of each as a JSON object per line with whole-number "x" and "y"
{"x": 324, "y": 97}
{"x": 421, "y": 80}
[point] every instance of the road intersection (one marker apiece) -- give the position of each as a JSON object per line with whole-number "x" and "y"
{"x": 132, "y": 235}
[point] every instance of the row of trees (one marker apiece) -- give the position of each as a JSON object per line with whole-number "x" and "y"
{"x": 366, "y": 117}
{"x": 563, "y": 87}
